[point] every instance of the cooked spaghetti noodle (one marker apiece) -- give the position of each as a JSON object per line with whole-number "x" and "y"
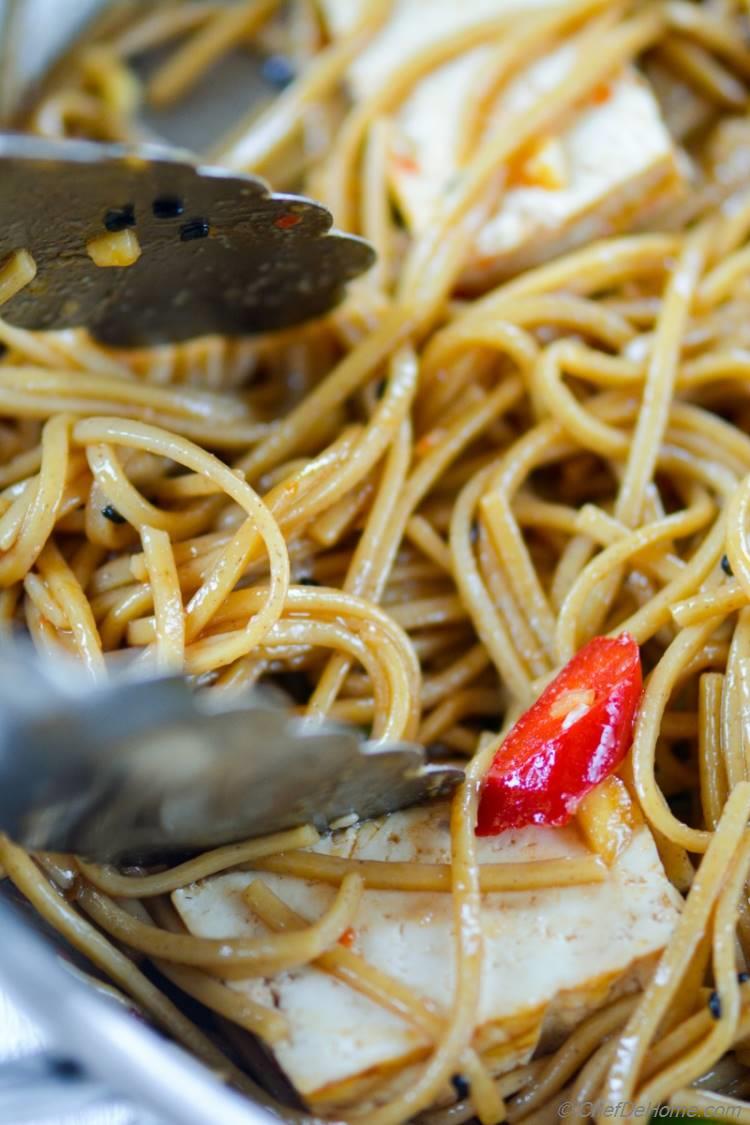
{"x": 410, "y": 514}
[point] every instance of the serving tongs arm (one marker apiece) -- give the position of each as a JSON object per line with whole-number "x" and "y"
{"x": 119, "y": 1060}
{"x": 150, "y": 769}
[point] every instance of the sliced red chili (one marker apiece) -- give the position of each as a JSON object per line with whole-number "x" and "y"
{"x": 285, "y": 222}
{"x": 573, "y": 737}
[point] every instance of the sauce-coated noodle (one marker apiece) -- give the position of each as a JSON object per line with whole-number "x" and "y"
{"x": 410, "y": 514}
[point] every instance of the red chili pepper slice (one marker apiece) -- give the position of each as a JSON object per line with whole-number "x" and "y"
{"x": 284, "y": 222}
{"x": 573, "y": 737}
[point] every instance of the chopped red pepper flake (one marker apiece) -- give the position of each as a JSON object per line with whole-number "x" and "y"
{"x": 348, "y": 938}
{"x": 601, "y": 94}
{"x": 428, "y": 442}
{"x": 284, "y": 222}
{"x": 571, "y": 739}
{"x": 405, "y": 163}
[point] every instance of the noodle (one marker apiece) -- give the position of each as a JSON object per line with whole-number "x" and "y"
{"x": 521, "y": 429}
{"x": 429, "y": 877}
{"x": 227, "y": 958}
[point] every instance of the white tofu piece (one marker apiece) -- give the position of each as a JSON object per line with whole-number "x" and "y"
{"x": 616, "y": 157}
{"x": 413, "y": 26}
{"x": 619, "y": 161}
{"x": 550, "y": 956}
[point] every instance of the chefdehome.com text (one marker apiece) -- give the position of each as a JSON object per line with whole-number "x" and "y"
{"x": 644, "y": 1110}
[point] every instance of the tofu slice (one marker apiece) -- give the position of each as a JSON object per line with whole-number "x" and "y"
{"x": 413, "y": 26}
{"x": 611, "y": 166}
{"x": 613, "y": 161}
{"x": 550, "y": 956}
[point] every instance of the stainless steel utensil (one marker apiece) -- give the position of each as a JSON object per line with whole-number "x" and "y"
{"x": 220, "y": 252}
{"x": 149, "y": 769}
{"x": 36, "y": 37}
{"x": 33, "y": 36}
{"x": 125, "y": 1062}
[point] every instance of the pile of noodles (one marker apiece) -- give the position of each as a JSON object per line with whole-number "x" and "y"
{"x": 409, "y": 515}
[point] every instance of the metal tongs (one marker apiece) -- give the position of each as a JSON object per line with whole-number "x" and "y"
{"x": 149, "y": 769}
{"x": 220, "y": 252}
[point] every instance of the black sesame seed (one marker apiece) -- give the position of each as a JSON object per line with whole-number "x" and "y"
{"x": 196, "y": 228}
{"x": 474, "y": 531}
{"x": 120, "y": 218}
{"x": 65, "y": 1068}
{"x": 714, "y": 1005}
{"x": 461, "y": 1086}
{"x": 726, "y": 566}
{"x": 743, "y": 978}
{"x": 380, "y": 389}
{"x": 167, "y": 207}
{"x": 110, "y": 513}
{"x": 308, "y": 580}
{"x": 278, "y": 71}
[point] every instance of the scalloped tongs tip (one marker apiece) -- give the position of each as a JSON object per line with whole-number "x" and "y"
{"x": 219, "y": 252}
{"x": 147, "y": 769}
